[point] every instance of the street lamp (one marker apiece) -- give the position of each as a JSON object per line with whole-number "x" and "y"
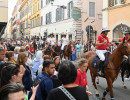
{"x": 61, "y": 6}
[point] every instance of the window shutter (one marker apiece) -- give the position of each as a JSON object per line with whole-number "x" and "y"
{"x": 122, "y": 1}
{"x": 68, "y": 10}
{"x": 92, "y": 9}
{"x": 111, "y": 3}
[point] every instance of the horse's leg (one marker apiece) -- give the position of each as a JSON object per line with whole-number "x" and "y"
{"x": 105, "y": 93}
{"x": 122, "y": 76}
{"x": 93, "y": 80}
{"x": 97, "y": 80}
{"x": 109, "y": 82}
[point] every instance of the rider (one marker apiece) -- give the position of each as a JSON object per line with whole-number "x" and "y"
{"x": 102, "y": 43}
{"x": 52, "y": 39}
{"x": 64, "y": 41}
{"x": 127, "y": 35}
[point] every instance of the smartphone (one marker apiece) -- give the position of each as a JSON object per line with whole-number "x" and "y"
{"x": 37, "y": 82}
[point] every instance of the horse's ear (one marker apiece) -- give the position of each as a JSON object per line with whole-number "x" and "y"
{"x": 124, "y": 40}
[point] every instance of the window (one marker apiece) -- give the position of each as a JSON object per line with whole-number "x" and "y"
{"x": 70, "y": 6}
{"x": 38, "y": 21}
{"x": 48, "y": 1}
{"x": 115, "y": 2}
{"x": 59, "y": 14}
{"x": 41, "y": 20}
{"x": 26, "y": 24}
{"x": 91, "y": 9}
{"x": 48, "y": 18}
{"x": 35, "y": 22}
{"x": 41, "y": 3}
{"x": 38, "y": 6}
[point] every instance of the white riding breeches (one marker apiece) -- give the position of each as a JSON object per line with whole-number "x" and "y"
{"x": 100, "y": 54}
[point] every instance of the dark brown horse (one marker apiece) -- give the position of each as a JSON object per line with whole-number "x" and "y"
{"x": 57, "y": 51}
{"x": 111, "y": 71}
{"x": 68, "y": 51}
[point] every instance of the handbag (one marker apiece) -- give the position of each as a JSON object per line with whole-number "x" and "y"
{"x": 66, "y": 93}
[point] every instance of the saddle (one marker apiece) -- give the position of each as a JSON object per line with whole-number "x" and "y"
{"x": 96, "y": 60}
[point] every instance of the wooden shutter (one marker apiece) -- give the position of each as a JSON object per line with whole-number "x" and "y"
{"x": 111, "y": 3}
{"x": 122, "y": 1}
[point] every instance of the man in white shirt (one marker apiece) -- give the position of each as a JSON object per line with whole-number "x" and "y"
{"x": 52, "y": 40}
{"x": 64, "y": 43}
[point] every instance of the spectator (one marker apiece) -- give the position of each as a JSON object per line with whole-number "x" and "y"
{"x": 10, "y": 56}
{"x": 22, "y": 58}
{"x": 15, "y": 91}
{"x": 10, "y": 73}
{"x": 38, "y": 60}
{"x": 12, "y": 92}
{"x": 78, "y": 50}
{"x": 81, "y": 78}
{"x": 73, "y": 52}
{"x": 16, "y": 51}
{"x": 67, "y": 75}
{"x": 46, "y": 83}
{"x": 2, "y": 54}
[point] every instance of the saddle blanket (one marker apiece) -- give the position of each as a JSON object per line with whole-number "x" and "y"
{"x": 96, "y": 61}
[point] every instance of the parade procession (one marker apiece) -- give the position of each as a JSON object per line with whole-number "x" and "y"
{"x": 64, "y": 50}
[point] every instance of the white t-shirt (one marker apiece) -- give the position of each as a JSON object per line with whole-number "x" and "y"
{"x": 64, "y": 42}
{"x": 52, "y": 41}
{"x": 48, "y": 40}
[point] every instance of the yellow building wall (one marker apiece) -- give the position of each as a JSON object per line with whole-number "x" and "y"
{"x": 117, "y": 15}
{"x": 4, "y": 11}
{"x": 36, "y": 12}
{"x": 4, "y": 14}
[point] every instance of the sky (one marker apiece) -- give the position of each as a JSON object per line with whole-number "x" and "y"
{"x": 11, "y": 5}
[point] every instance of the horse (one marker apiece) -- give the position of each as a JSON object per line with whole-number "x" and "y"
{"x": 68, "y": 50}
{"x": 112, "y": 69}
{"x": 57, "y": 51}
{"x": 125, "y": 67}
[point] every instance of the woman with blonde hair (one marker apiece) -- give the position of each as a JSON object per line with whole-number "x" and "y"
{"x": 22, "y": 58}
{"x": 81, "y": 78}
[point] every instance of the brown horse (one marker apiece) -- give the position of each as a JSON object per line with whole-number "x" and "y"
{"x": 57, "y": 51}
{"x": 68, "y": 50}
{"x": 111, "y": 71}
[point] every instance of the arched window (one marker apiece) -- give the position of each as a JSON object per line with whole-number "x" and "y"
{"x": 118, "y": 32}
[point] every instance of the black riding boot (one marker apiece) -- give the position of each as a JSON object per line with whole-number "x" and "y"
{"x": 100, "y": 67}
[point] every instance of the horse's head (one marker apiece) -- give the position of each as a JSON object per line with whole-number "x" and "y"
{"x": 125, "y": 47}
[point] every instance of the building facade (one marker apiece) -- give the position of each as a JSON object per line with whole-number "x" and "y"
{"x": 3, "y": 15}
{"x": 25, "y": 14}
{"x": 117, "y": 17}
{"x": 56, "y": 18}
{"x": 35, "y": 18}
{"x": 92, "y": 15}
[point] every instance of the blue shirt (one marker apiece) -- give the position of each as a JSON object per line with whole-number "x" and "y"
{"x": 78, "y": 46}
{"x": 27, "y": 78}
{"x": 45, "y": 86}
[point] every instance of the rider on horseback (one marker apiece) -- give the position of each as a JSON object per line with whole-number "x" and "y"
{"x": 52, "y": 40}
{"x": 102, "y": 43}
{"x": 64, "y": 43}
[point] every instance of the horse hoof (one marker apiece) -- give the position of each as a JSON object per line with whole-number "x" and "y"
{"x": 97, "y": 95}
{"x": 97, "y": 82}
{"x": 103, "y": 98}
{"x": 125, "y": 87}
